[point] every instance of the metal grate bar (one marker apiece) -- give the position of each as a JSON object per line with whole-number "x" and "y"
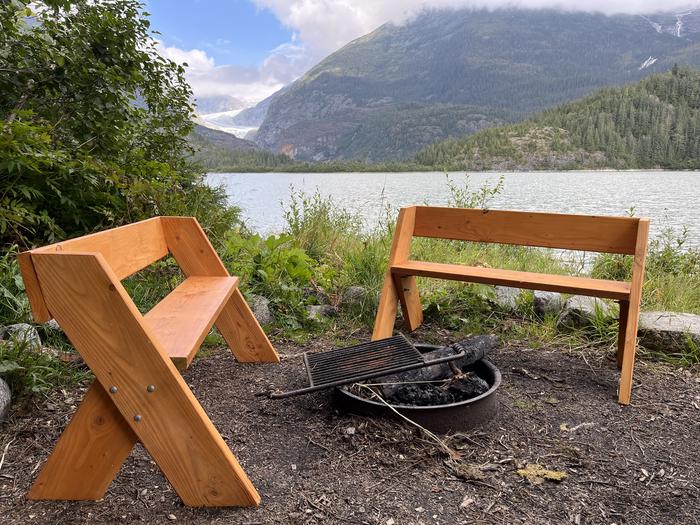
{"x": 364, "y": 361}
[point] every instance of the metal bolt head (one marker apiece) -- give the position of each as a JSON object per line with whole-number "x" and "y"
{"x": 113, "y": 389}
{"x": 137, "y": 418}
{"x": 151, "y": 388}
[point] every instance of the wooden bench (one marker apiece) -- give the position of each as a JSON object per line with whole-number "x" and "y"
{"x": 620, "y": 235}
{"x": 139, "y": 394}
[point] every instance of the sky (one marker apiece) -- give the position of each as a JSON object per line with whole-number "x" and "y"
{"x": 249, "y": 49}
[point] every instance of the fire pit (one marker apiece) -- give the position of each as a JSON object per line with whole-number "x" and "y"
{"x": 466, "y": 397}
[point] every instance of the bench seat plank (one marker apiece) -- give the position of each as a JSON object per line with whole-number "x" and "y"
{"x": 535, "y": 281}
{"x": 182, "y": 320}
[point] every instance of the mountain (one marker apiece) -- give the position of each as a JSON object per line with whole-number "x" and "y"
{"x": 203, "y": 136}
{"x": 220, "y": 151}
{"x": 217, "y": 104}
{"x": 255, "y": 115}
{"x": 652, "y": 124}
{"x": 445, "y": 73}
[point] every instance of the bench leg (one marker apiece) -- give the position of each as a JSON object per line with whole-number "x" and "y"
{"x": 95, "y": 312}
{"x": 243, "y": 333}
{"x": 89, "y": 453}
{"x": 410, "y": 301}
{"x": 624, "y": 311}
{"x": 386, "y": 311}
{"x": 629, "y": 349}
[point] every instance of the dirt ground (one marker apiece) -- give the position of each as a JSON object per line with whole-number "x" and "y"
{"x": 311, "y": 464}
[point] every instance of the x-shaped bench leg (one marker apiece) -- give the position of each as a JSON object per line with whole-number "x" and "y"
{"x": 140, "y": 385}
{"x": 89, "y": 453}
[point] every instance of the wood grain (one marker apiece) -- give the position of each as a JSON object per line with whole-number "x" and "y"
{"x": 400, "y": 251}
{"x": 535, "y": 281}
{"x": 549, "y": 230}
{"x": 121, "y": 349}
{"x": 243, "y": 333}
{"x": 88, "y": 454}
{"x": 126, "y": 249}
{"x": 191, "y": 248}
{"x": 409, "y": 299}
{"x": 633, "y": 313}
{"x": 184, "y": 317}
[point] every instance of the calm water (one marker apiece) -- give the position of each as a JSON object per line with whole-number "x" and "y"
{"x": 668, "y": 198}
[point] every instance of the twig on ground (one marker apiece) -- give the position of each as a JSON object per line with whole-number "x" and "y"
{"x": 4, "y": 452}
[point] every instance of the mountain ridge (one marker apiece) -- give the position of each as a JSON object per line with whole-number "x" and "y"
{"x": 398, "y": 89}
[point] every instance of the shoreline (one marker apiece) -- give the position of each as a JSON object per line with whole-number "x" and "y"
{"x": 488, "y": 172}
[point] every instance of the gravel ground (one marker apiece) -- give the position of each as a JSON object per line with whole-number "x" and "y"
{"x": 312, "y": 464}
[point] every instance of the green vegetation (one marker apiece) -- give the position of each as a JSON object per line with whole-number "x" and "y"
{"x": 93, "y": 124}
{"x": 449, "y": 73}
{"x": 652, "y": 124}
{"x": 95, "y": 131}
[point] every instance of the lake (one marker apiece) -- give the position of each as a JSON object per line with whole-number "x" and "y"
{"x": 669, "y": 199}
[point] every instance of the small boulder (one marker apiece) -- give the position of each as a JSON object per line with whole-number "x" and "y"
{"x": 668, "y": 332}
{"x": 354, "y": 295}
{"x": 547, "y": 303}
{"x": 52, "y": 325}
{"x": 22, "y": 333}
{"x": 261, "y": 308}
{"x": 580, "y": 311}
{"x": 507, "y": 297}
{"x": 5, "y": 399}
{"x": 320, "y": 312}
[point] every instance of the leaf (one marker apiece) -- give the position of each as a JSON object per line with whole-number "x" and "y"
{"x": 9, "y": 366}
{"x": 537, "y": 474}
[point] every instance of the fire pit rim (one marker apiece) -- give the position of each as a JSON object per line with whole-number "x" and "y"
{"x": 423, "y": 347}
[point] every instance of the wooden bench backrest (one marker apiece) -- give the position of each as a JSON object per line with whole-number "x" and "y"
{"x": 548, "y": 230}
{"x": 127, "y": 250}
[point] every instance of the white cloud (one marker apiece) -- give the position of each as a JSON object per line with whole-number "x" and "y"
{"x": 248, "y": 84}
{"x": 326, "y": 25}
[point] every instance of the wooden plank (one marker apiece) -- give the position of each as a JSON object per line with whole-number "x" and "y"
{"x": 549, "y": 230}
{"x": 191, "y": 248}
{"x": 183, "y": 319}
{"x": 236, "y": 323}
{"x": 534, "y": 281}
{"x": 88, "y": 454}
{"x": 633, "y": 314}
{"x": 400, "y": 251}
{"x": 40, "y": 312}
{"x": 126, "y": 249}
{"x": 243, "y": 333}
{"x": 622, "y": 331}
{"x": 95, "y": 312}
{"x": 409, "y": 298}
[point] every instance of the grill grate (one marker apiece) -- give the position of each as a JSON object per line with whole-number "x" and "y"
{"x": 359, "y": 362}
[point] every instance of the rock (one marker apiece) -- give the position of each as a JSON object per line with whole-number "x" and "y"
{"x": 261, "y": 308}
{"x": 354, "y": 294}
{"x": 547, "y": 303}
{"x": 5, "y": 399}
{"x": 23, "y": 333}
{"x": 320, "y": 312}
{"x": 507, "y": 297}
{"x": 580, "y": 311}
{"x": 52, "y": 325}
{"x": 669, "y": 332}
{"x": 316, "y": 293}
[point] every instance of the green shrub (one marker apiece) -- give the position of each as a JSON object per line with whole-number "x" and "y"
{"x": 276, "y": 268}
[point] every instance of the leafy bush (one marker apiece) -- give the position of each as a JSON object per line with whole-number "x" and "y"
{"x": 276, "y": 268}
{"x": 93, "y": 124}
{"x": 319, "y": 225}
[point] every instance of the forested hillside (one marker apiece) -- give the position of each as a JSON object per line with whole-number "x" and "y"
{"x": 652, "y": 124}
{"x": 449, "y": 73}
